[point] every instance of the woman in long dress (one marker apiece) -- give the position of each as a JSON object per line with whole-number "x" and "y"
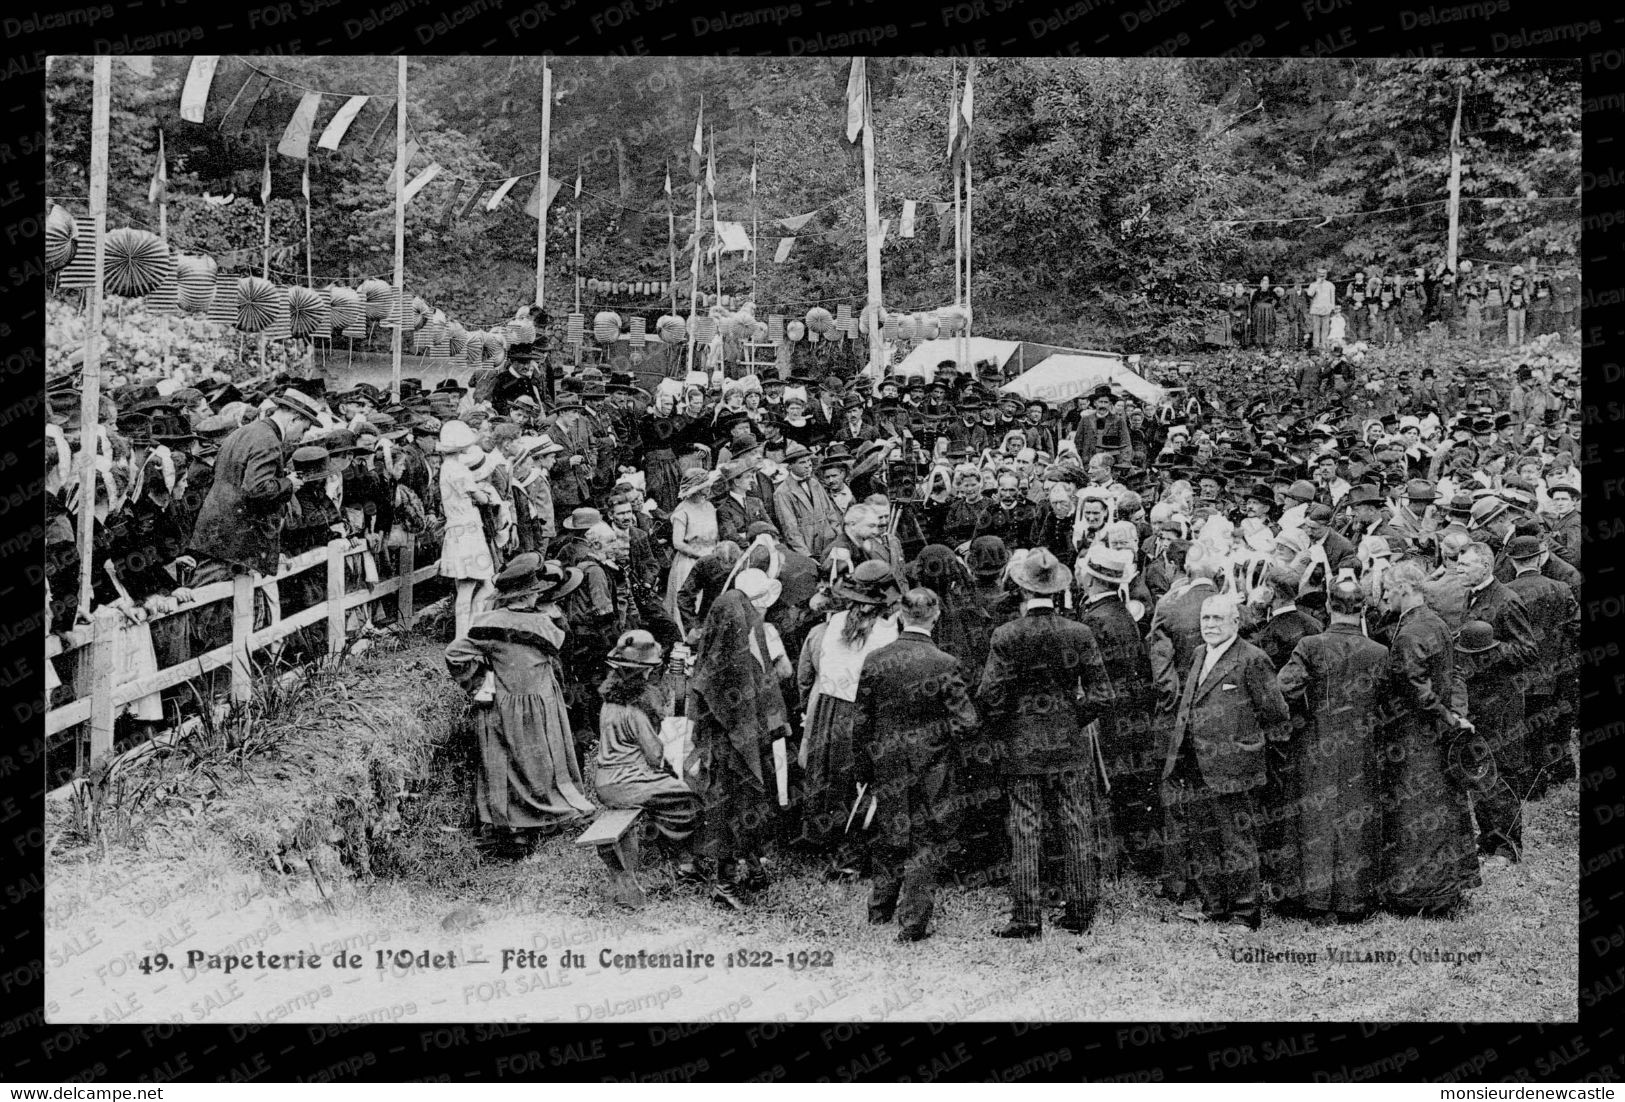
{"x": 465, "y": 554}
{"x": 660, "y": 431}
{"x": 529, "y": 781}
{"x": 693, "y": 534}
{"x": 738, "y": 712}
{"x": 632, "y": 769}
{"x": 831, "y": 662}
{"x": 1262, "y": 315}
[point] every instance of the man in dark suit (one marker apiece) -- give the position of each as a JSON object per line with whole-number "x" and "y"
{"x": 1490, "y": 600}
{"x": 913, "y": 709}
{"x": 1554, "y": 617}
{"x": 1042, "y": 688}
{"x": 1285, "y": 625}
{"x": 1340, "y": 553}
{"x": 1230, "y": 706}
{"x": 1127, "y": 743}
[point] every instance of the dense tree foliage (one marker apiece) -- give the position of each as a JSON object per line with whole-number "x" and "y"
{"x": 1107, "y": 190}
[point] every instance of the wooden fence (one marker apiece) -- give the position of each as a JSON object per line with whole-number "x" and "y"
{"x": 97, "y": 643}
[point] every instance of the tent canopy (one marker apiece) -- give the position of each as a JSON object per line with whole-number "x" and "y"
{"x": 1065, "y": 377}
{"x": 927, "y": 354}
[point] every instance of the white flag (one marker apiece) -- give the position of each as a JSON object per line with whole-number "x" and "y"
{"x": 783, "y": 252}
{"x": 501, "y": 193}
{"x": 419, "y": 181}
{"x": 340, "y": 125}
{"x": 906, "y": 229}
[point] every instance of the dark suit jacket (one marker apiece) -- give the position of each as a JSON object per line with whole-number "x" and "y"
{"x": 1229, "y": 716}
{"x": 1176, "y": 634}
{"x": 913, "y": 710}
{"x": 1554, "y": 617}
{"x": 733, "y": 518}
{"x": 1499, "y": 607}
{"x": 1044, "y": 682}
{"x": 241, "y": 519}
{"x": 1279, "y": 634}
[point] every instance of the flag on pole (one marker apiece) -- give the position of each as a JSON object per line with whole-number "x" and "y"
{"x": 697, "y": 150}
{"x": 753, "y": 170}
{"x": 296, "y": 138}
{"x": 501, "y": 193}
{"x": 536, "y": 204}
{"x": 711, "y": 168}
{"x": 906, "y": 227}
{"x": 339, "y": 125}
{"x": 265, "y": 187}
{"x": 959, "y": 122}
{"x": 160, "y": 175}
{"x": 857, "y": 94}
{"x": 668, "y": 179}
{"x": 420, "y": 181}
{"x": 945, "y": 226}
{"x": 578, "y": 180}
{"x": 195, "y": 95}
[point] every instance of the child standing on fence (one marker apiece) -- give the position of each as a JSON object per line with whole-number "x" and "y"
{"x": 465, "y": 554}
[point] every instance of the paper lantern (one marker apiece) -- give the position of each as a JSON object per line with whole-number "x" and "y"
{"x": 137, "y": 262}
{"x": 223, "y": 303}
{"x": 81, "y": 268}
{"x": 820, "y": 320}
{"x": 705, "y": 327}
{"x": 522, "y": 331}
{"x": 760, "y": 333}
{"x": 256, "y": 304}
{"x": 495, "y": 348}
{"x": 795, "y": 331}
{"x": 812, "y": 338}
{"x": 346, "y": 308}
{"x": 638, "y": 330}
{"x": 473, "y": 351}
{"x": 456, "y": 338}
{"x": 61, "y": 238}
{"x": 951, "y": 320}
{"x": 421, "y": 309}
{"x": 672, "y": 329}
{"x": 575, "y": 327}
{"x": 307, "y": 312}
{"x": 279, "y": 328}
{"x": 908, "y": 328}
{"x": 195, "y": 275}
{"x": 375, "y": 297}
{"x": 165, "y": 298}
{"x": 775, "y": 328}
{"x": 843, "y": 311}
{"x": 929, "y": 327}
{"x": 606, "y": 326}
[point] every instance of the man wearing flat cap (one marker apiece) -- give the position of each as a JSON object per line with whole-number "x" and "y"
{"x": 803, "y": 508}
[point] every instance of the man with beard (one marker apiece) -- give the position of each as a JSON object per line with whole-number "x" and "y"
{"x": 1011, "y": 518}
{"x": 1103, "y": 430}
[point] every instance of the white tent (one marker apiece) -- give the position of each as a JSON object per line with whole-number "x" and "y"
{"x": 1062, "y": 378}
{"x": 928, "y": 354}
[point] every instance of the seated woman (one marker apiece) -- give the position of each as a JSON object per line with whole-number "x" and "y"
{"x": 632, "y": 770}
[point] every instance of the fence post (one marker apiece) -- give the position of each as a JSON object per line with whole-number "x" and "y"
{"x": 242, "y": 628}
{"x": 104, "y": 647}
{"x": 407, "y": 564}
{"x": 335, "y": 595}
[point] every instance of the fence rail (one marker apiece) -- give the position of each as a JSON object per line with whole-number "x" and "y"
{"x": 100, "y": 640}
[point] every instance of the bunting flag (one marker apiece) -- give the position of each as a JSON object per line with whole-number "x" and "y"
{"x": 945, "y": 225}
{"x": 265, "y": 187}
{"x": 668, "y": 180}
{"x": 795, "y": 222}
{"x": 906, "y": 228}
{"x": 446, "y": 211}
{"x": 711, "y": 167}
{"x": 578, "y": 180}
{"x": 501, "y": 193}
{"x": 697, "y": 150}
{"x": 536, "y": 204}
{"x": 420, "y": 181}
{"x": 857, "y": 92}
{"x": 243, "y": 103}
{"x": 782, "y": 254}
{"x": 195, "y": 95}
{"x": 334, "y": 133}
{"x": 401, "y": 165}
{"x": 379, "y": 131}
{"x": 304, "y": 182}
{"x": 959, "y": 123}
{"x": 296, "y": 138}
{"x": 160, "y": 175}
{"x": 141, "y": 66}
{"x": 475, "y": 193}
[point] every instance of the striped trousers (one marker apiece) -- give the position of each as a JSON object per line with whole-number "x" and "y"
{"x": 1068, "y": 801}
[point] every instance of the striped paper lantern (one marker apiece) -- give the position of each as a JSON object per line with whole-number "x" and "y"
{"x": 307, "y": 312}
{"x": 775, "y": 328}
{"x": 820, "y": 321}
{"x": 705, "y": 328}
{"x": 280, "y": 328}
{"x": 521, "y": 331}
{"x": 81, "y": 268}
{"x": 929, "y": 327}
{"x": 256, "y": 302}
{"x": 575, "y": 327}
{"x": 456, "y": 338}
{"x": 195, "y": 275}
{"x": 672, "y": 329}
{"x": 907, "y": 327}
{"x": 223, "y": 303}
{"x": 346, "y": 308}
{"x": 375, "y": 297}
{"x": 843, "y": 312}
{"x": 606, "y": 326}
{"x": 495, "y": 347}
{"x": 472, "y": 351}
{"x": 639, "y": 331}
{"x": 61, "y": 238}
{"x": 166, "y": 297}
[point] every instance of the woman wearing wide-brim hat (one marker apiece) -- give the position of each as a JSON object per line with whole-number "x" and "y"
{"x": 831, "y": 662}
{"x": 632, "y": 770}
{"x": 528, "y": 784}
{"x": 694, "y": 533}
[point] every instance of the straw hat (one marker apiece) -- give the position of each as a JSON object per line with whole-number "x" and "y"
{"x": 635, "y": 650}
{"x": 455, "y": 436}
{"x": 762, "y": 590}
{"x": 695, "y": 481}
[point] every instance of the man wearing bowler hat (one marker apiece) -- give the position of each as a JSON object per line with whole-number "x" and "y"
{"x": 1043, "y": 687}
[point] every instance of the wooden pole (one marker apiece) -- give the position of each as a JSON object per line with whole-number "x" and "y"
{"x": 959, "y": 228}
{"x": 968, "y": 240}
{"x": 265, "y": 266}
{"x": 671, "y": 237}
{"x": 1455, "y": 185}
{"x": 310, "y": 278}
{"x": 400, "y": 228}
{"x": 716, "y": 225}
{"x": 755, "y": 225}
{"x": 541, "y": 213}
{"x": 871, "y": 220}
{"x": 694, "y": 264}
{"x": 91, "y": 375}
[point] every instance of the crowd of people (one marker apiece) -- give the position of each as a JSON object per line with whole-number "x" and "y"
{"x": 1385, "y": 307}
{"x": 1303, "y": 634}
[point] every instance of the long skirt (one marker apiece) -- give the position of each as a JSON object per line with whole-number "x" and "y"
{"x": 681, "y": 567}
{"x": 667, "y": 801}
{"x": 827, "y": 756}
{"x": 663, "y": 472}
{"x": 735, "y": 803}
{"x": 1263, "y": 325}
{"x": 529, "y": 778}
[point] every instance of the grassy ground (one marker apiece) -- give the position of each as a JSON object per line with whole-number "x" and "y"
{"x": 431, "y": 889}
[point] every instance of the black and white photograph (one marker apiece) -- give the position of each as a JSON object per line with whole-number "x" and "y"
{"x": 813, "y": 538}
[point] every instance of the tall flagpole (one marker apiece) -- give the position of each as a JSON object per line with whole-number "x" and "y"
{"x": 1455, "y": 185}
{"x": 716, "y": 225}
{"x": 400, "y": 228}
{"x": 90, "y": 376}
{"x": 965, "y": 122}
{"x": 310, "y": 279}
{"x": 163, "y": 191}
{"x": 578, "y": 255}
{"x": 265, "y": 273}
{"x": 871, "y": 219}
{"x": 755, "y": 223}
{"x": 671, "y": 238}
{"x": 954, "y": 153}
{"x": 694, "y": 265}
{"x": 541, "y": 213}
